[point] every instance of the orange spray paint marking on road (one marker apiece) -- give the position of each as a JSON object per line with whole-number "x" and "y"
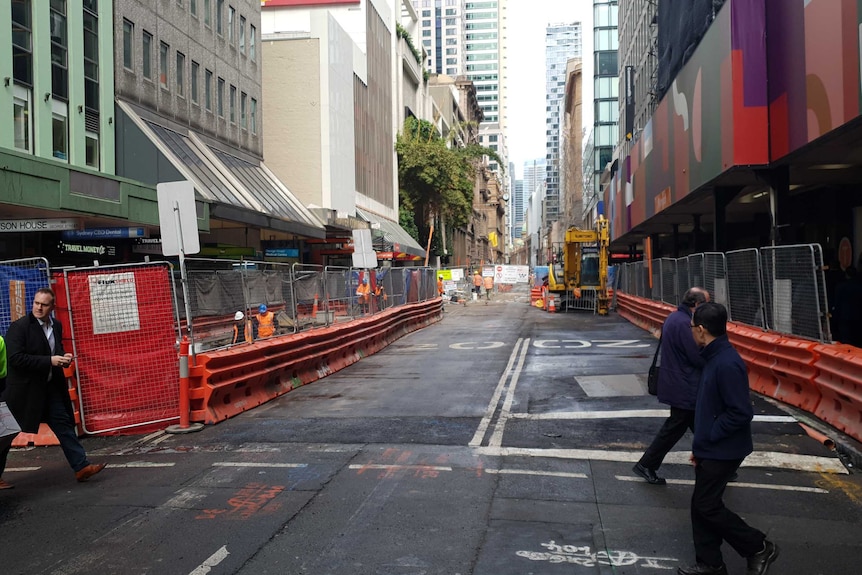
{"x": 248, "y": 501}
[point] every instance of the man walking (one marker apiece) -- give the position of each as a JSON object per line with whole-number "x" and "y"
{"x": 677, "y": 383}
{"x": 36, "y": 387}
{"x": 722, "y": 439}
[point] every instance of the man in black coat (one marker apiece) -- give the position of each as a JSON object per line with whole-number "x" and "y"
{"x": 677, "y": 383}
{"x": 36, "y": 388}
{"x": 722, "y": 440}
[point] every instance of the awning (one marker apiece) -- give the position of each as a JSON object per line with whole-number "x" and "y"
{"x": 238, "y": 190}
{"x": 390, "y": 237}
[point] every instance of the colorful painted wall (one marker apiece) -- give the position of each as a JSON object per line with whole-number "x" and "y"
{"x": 769, "y": 77}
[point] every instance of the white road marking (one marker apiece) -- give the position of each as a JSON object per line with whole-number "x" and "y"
{"x": 733, "y": 484}
{"x": 495, "y": 399}
{"x": 630, "y": 413}
{"x": 536, "y": 472}
{"x": 253, "y": 464}
{"x": 211, "y": 561}
{"x": 497, "y": 437}
{"x": 397, "y": 467}
{"x": 11, "y": 469}
{"x": 772, "y": 459}
{"x": 477, "y": 345}
{"x": 140, "y": 464}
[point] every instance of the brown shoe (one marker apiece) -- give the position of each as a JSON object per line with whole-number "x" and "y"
{"x": 6, "y": 485}
{"x": 89, "y": 471}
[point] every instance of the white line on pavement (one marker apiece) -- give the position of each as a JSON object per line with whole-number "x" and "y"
{"x": 495, "y": 399}
{"x": 211, "y": 561}
{"x": 497, "y": 437}
{"x": 773, "y": 459}
{"x": 631, "y": 413}
{"x": 252, "y": 464}
{"x": 395, "y": 467}
{"x": 23, "y": 468}
{"x": 536, "y": 472}
{"x": 140, "y": 464}
{"x": 734, "y": 484}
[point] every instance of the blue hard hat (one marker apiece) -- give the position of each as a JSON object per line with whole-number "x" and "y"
{"x": 262, "y": 308}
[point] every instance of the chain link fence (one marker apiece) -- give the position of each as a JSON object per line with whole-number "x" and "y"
{"x": 21, "y": 279}
{"x": 299, "y": 297}
{"x": 782, "y": 289}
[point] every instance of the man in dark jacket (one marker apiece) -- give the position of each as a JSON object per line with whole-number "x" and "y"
{"x": 36, "y": 388}
{"x": 722, "y": 439}
{"x": 677, "y": 383}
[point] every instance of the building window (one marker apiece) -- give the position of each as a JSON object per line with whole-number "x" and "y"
{"x": 194, "y": 81}
{"x": 163, "y": 65}
{"x": 252, "y": 41}
{"x": 128, "y": 44}
{"x": 242, "y": 34}
{"x": 147, "y": 49}
{"x": 242, "y": 117}
{"x": 92, "y": 149}
{"x": 231, "y": 16}
{"x": 208, "y": 90}
{"x": 233, "y": 104}
{"x": 208, "y": 22}
{"x": 21, "y": 119}
{"x": 60, "y": 130}
{"x": 220, "y": 97}
{"x": 253, "y": 116}
{"x": 193, "y": 7}
{"x": 91, "y": 56}
{"x": 219, "y": 17}
{"x": 22, "y": 47}
{"x": 59, "y": 47}
{"x": 181, "y": 68}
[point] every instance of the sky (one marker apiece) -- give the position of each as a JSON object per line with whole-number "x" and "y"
{"x": 527, "y": 20}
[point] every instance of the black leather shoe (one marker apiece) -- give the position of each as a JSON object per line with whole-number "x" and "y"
{"x": 701, "y": 569}
{"x": 648, "y": 474}
{"x": 759, "y": 564}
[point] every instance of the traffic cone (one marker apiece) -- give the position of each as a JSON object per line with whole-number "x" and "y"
{"x": 552, "y": 307}
{"x": 314, "y": 308}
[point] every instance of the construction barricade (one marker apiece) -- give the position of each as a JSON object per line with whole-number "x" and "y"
{"x": 839, "y": 379}
{"x": 227, "y": 382}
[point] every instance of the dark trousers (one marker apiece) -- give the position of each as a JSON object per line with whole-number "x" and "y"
{"x": 63, "y": 426}
{"x": 673, "y": 429}
{"x": 5, "y": 446}
{"x": 712, "y": 522}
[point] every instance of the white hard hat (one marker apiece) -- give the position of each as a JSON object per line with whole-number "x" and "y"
{"x": 238, "y": 316}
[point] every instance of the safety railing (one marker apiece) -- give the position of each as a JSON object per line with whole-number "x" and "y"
{"x": 227, "y": 298}
{"x": 780, "y": 289}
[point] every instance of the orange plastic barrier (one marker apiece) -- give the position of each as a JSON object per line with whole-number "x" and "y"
{"x": 45, "y": 436}
{"x": 756, "y": 348}
{"x": 795, "y": 373}
{"x": 225, "y": 383}
{"x": 839, "y": 379}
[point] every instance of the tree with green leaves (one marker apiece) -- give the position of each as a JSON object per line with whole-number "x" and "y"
{"x": 435, "y": 182}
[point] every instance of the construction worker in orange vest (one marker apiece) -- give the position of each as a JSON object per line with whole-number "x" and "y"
{"x": 364, "y": 293}
{"x": 265, "y": 322}
{"x": 239, "y": 322}
{"x": 440, "y": 286}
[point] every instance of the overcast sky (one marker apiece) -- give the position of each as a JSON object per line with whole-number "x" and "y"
{"x": 527, "y": 21}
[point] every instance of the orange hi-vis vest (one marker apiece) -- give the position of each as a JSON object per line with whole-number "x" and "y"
{"x": 265, "y": 324}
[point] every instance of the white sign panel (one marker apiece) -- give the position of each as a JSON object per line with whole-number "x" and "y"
{"x": 114, "y": 303}
{"x": 178, "y": 198}
{"x": 37, "y": 225}
{"x": 363, "y": 252}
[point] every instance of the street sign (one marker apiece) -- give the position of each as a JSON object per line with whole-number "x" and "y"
{"x": 178, "y": 218}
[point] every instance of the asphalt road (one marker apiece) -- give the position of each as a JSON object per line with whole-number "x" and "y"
{"x": 499, "y": 441}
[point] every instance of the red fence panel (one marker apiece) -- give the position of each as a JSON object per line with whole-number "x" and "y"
{"x": 124, "y": 336}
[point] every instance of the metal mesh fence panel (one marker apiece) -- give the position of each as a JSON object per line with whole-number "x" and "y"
{"x": 122, "y": 322}
{"x": 20, "y": 280}
{"x": 744, "y": 290}
{"x": 715, "y": 277}
{"x": 682, "y": 276}
{"x": 309, "y": 297}
{"x": 695, "y": 272}
{"x": 792, "y": 282}
{"x": 654, "y": 291}
{"x": 669, "y": 293}
{"x": 340, "y": 285}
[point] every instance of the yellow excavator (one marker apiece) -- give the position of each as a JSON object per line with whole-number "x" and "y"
{"x": 578, "y": 268}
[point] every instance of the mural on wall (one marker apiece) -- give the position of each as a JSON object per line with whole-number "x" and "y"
{"x": 721, "y": 113}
